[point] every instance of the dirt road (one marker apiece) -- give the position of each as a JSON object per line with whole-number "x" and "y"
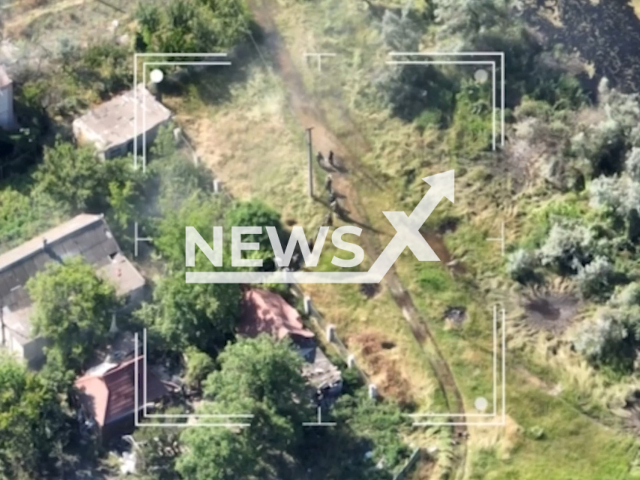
{"x": 309, "y": 114}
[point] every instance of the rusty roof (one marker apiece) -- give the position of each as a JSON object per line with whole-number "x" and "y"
{"x": 113, "y": 122}
{"x": 111, "y": 395}
{"x": 263, "y": 311}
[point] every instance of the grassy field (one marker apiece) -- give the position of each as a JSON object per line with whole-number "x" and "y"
{"x": 557, "y": 423}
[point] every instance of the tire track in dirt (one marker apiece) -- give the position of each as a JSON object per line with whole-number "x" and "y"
{"x": 310, "y": 115}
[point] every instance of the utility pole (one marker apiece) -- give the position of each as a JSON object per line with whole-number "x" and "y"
{"x": 310, "y": 161}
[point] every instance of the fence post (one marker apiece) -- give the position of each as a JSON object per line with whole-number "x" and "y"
{"x": 310, "y": 162}
{"x": 351, "y": 361}
{"x": 373, "y": 391}
{"x": 330, "y": 333}
{"x": 307, "y": 304}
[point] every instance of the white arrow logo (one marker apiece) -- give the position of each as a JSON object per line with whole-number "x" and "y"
{"x": 408, "y": 228}
{"x": 407, "y": 235}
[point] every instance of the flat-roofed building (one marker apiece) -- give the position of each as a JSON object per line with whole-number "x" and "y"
{"x": 85, "y": 235}
{"x": 111, "y": 126}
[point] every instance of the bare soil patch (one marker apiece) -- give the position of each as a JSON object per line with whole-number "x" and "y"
{"x": 552, "y": 311}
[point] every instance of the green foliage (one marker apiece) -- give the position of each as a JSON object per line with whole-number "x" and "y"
{"x": 610, "y": 339}
{"x": 159, "y": 450}
{"x": 568, "y": 248}
{"x": 104, "y": 68}
{"x": 597, "y": 279}
{"x": 255, "y": 213}
{"x": 174, "y": 179}
{"x": 73, "y": 310}
{"x": 521, "y": 266}
{"x": 33, "y": 424}
{"x": 381, "y": 422}
{"x": 409, "y": 91}
{"x": 199, "y": 315}
{"x": 258, "y": 376}
{"x": 70, "y": 176}
{"x": 23, "y": 216}
{"x": 77, "y": 180}
{"x": 260, "y": 369}
{"x": 471, "y": 128}
{"x": 188, "y": 26}
{"x": 199, "y": 366}
{"x": 198, "y": 212}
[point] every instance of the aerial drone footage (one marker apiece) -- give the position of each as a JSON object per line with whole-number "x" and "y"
{"x": 320, "y": 239}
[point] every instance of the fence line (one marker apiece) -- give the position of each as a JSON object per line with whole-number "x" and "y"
{"x": 413, "y": 459}
{"x": 333, "y": 338}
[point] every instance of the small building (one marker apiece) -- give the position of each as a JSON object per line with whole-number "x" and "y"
{"x": 265, "y": 312}
{"x": 111, "y": 126}
{"x": 86, "y": 235}
{"x": 7, "y": 117}
{"x": 107, "y": 396}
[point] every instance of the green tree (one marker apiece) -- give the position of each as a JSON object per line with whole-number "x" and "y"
{"x": 71, "y": 176}
{"x": 32, "y": 423}
{"x": 198, "y": 367}
{"x": 254, "y": 213}
{"x": 199, "y": 211}
{"x": 187, "y": 26}
{"x": 187, "y": 314}
{"x": 261, "y": 377}
{"x": 73, "y": 309}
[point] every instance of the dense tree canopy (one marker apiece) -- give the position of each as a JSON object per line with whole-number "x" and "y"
{"x": 73, "y": 310}
{"x": 200, "y": 315}
{"x": 33, "y": 425}
{"x": 263, "y": 378}
{"x": 186, "y": 26}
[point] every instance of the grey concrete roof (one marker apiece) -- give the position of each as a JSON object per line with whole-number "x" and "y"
{"x": 85, "y": 235}
{"x": 113, "y": 122}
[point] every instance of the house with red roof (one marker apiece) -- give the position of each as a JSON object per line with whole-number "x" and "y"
{"x": 265, "y": 312}
{"x": 107, "y": 395}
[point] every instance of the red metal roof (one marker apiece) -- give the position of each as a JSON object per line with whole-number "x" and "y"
{"x": 263, "y": 311}
{"x": 111, "y": 395}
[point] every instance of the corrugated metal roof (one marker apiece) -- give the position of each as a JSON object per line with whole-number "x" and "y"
{"x": 112, "y": 394}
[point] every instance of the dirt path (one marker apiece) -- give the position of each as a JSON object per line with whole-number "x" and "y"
{"x": 308, "y": 115}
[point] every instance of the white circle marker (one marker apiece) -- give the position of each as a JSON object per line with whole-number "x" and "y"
{"x": 156, "y": 75}
{"x": 481, "y": 404}
{"x": 481, "y": 76}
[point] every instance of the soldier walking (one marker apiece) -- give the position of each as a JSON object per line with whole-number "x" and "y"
{"x": 328, "y": 184}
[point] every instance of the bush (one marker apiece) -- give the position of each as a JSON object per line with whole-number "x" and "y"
{"x": 597, "y": 279}
{"x": 632, "y": 164}
{"x": 606, "y": 340}
{"x": 521, "y": 266}
{"x": 567, "y": 248}
{"x": 607, "y": 193}
{"x": 629, "y": 296}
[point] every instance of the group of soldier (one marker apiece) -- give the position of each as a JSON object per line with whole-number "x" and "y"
{"x": 328, "y": 185}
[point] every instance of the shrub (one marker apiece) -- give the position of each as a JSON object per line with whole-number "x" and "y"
{"x": 597, "y": 279}
{"x": 521, "y": 266}
{"x": 632, "y": 163}
{"x": 567, "y": 248}
{"x": 628, "y": 296}
{"x": 607, "y": 193}
{"x": 606, "y": 340}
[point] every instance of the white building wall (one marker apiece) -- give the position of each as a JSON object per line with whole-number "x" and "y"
{"x": 7, "y": 119}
